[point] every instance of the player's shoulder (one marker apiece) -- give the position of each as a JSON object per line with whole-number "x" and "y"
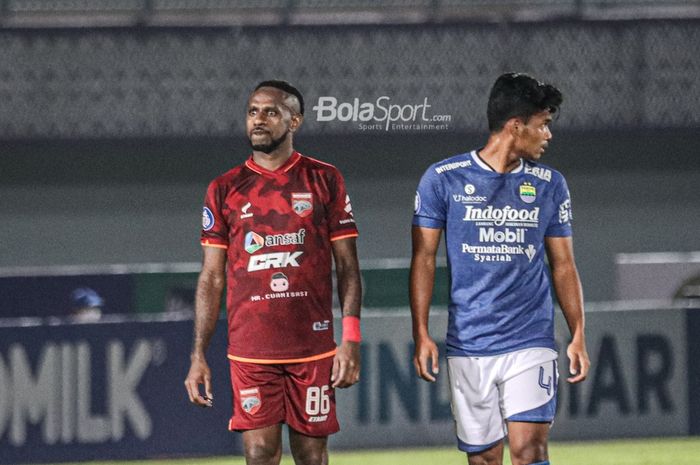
{"x": 315, "y": 163}
{"x": 229, "y": 177}
{"x": 542, "y": 171}
{"x": 451, "y": 164}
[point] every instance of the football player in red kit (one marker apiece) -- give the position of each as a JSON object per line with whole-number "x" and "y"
{"x": 269, "y": 229}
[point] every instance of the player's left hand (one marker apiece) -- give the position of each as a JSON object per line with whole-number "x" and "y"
{"x": 579, "y": 363}
{"x": 346, "y": 365}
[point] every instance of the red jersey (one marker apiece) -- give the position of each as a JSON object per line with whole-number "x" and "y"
{"x": 277, "y": 227}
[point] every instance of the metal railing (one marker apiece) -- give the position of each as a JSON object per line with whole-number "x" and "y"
{"x": 188, "y": 13}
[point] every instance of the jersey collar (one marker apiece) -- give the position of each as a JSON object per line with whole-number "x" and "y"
{"x": 486, "y": 167}
{"x": 288, "y": 165}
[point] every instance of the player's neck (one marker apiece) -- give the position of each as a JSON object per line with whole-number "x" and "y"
{"x": 273, "y": 160}
{"x": 499, "y": 154}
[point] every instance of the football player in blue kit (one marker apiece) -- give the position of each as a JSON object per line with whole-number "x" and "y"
{"x": 501, "y": 212}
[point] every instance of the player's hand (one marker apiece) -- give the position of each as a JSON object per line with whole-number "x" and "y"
{"x": 426, "y": 355}
{"x": 579, "y": 363}
{"x": 346, "y": 365}
{"x": 199, "y": 374}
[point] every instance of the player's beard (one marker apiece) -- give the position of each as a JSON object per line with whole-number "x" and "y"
{"x": 269, "y": 147}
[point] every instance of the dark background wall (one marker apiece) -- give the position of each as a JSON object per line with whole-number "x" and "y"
{"x": 174, "y": 82}
{"x": 109, "y": 136}
{"x": 139, "y": 200}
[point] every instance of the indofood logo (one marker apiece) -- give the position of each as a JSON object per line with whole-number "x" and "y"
{"x": 382, "y": 114}
{"x": 501, "y": 216}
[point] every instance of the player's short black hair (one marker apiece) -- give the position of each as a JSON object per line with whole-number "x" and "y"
{"x": 519, "y": 95}
{"x": 285, "y": 87}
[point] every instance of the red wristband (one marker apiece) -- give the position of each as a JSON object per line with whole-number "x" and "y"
{"x": 351, "y": 329}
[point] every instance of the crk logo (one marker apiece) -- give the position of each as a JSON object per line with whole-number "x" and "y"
{"x": 273, "y": 260}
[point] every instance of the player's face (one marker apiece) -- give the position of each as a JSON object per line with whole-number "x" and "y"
{"x": 268, "y": 119}
{"x": 534, "y": 136}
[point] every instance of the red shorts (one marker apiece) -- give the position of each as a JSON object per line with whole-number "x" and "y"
{"x": 299, "y": 394}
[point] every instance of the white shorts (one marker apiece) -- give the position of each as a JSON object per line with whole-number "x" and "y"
{"x": 487, "y": 391}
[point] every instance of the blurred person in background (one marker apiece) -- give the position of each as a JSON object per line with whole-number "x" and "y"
{"x": 86, "y": 305}
{"x": 502, "y": 212}
{"x": 269, "y": 229}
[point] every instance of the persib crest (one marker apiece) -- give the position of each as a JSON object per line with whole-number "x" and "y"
{"x": 527, "y": 192}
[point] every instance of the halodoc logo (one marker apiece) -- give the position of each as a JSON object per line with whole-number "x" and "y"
{"x": 382, "y": 114}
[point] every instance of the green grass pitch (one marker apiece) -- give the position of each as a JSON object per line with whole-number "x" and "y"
{"x": 667, "y": 451}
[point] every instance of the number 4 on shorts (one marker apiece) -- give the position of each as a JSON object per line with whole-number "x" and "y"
{"x": 546, "y": 386}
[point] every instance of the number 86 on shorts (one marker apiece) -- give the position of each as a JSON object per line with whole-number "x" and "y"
{"x": 318, "y": 402}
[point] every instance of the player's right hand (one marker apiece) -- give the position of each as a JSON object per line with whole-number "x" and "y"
{"x": 199, "y": 374}
{"x": 425, "y": 359}
{"x": 579, "y": 362}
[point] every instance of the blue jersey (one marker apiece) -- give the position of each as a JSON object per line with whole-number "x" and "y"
{"x": 495, "y": 225}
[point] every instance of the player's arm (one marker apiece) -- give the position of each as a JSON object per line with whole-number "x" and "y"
{"x": 422, "y": 278}
{"x": 210, "y": 286}
{"x": 346, "y": 365}
{"x": 567, "y": 287}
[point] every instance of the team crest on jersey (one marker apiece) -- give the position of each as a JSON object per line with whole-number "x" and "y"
{"x": 250, "y": 400}
{"x": 253, "y": 242}
{"x": 302, "y": 203}
{"x": 528, "y": 193}
{"x": 207, "y": 219}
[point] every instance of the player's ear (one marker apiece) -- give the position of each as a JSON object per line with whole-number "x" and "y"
{"x": 514, "y": 126}
{"x": 296, "y": 121}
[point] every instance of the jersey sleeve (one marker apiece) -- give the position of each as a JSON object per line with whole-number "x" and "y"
{"x": 429, "y": 209}
{"x": 341, "y": 219}
{"x": 560, "y": 222}
{"x": 214, "y": 228}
